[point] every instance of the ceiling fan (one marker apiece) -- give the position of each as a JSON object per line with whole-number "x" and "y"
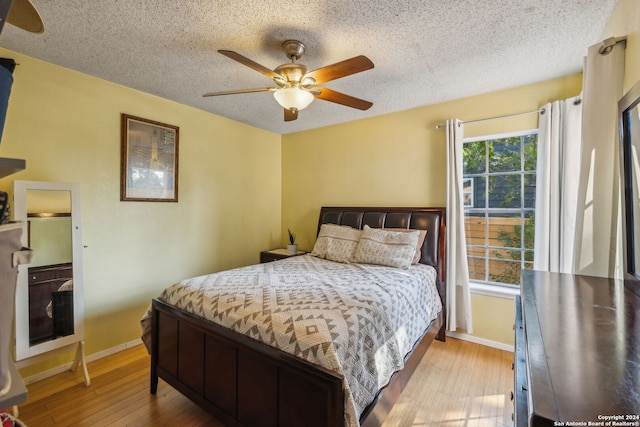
{"x": 295, "y": 87}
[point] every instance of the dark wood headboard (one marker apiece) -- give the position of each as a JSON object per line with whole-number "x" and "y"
{"x": 430, "y": 219}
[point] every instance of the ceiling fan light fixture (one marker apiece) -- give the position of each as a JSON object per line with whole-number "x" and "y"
{"x": 295, "y": 87}
{"x": 293, "y": 98}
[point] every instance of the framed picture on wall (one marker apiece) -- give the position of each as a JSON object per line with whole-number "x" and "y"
{"x": 149, "y": 161}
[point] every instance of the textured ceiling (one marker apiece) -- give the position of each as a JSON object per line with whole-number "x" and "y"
{"x": 424, "y": 52}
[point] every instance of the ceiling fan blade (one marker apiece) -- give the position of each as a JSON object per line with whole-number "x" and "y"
{"x": 340, "y": 69}
{"x": 341, "y": 98}
{"x": 290, "y": 115}
{"x": 232, "y": 92}
{"x": 251, "y": 64}
{"x": 24, "y": 15}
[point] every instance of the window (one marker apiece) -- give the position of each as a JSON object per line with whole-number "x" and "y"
{"x": 499, "y": 175}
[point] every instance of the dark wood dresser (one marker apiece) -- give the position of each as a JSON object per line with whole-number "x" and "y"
{"x": 577, "y": 353}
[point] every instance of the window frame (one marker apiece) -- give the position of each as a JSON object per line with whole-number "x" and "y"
{"x": 489, "y": 287}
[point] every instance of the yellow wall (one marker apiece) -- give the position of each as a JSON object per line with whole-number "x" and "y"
{"x": 67, "y": 127}
{"x": 625, "y": 21}
{"x": 394, "y": 159}
{"x": 493, "y": 318}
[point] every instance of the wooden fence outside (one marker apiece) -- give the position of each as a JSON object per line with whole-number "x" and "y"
{"x": 504, "y": 264}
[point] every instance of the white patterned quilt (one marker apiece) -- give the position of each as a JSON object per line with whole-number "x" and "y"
{"x": 358, "y": 320}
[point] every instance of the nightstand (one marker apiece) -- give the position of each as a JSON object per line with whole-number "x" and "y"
{"x": 276, "y": 254}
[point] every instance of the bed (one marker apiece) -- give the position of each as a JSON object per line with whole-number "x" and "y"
{"x": 246, "y": 374}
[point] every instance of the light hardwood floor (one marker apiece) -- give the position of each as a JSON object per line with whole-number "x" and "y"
{"x": 458, "y": 383}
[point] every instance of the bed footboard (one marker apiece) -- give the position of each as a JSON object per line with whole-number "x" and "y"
{"x": 239, "y": 380}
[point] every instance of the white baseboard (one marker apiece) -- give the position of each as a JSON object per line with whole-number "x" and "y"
{"x": 482, "y": 341}
{"x": 90, "y": 358}
{"x": 113, "y": 350}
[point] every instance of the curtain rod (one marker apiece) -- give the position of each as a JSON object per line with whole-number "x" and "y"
{"x": 609, "y": 43}
{"x": 606, "y": 47}
{"x": 540, "y": 110}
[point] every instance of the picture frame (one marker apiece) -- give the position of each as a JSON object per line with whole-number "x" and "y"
{"x": 149, "y": 160}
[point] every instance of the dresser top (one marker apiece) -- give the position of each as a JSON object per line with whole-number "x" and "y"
{"x": 583, "y": 345}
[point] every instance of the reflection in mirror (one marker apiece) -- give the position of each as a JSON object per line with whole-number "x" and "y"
{"x": 629, "y": 107}
{"x": 50, "y": 274}
{"x": 49, "y": 305}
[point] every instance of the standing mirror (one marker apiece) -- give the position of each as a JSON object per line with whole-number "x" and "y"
{"x": 49, "y": 293}
{"x": 629, "y": 107}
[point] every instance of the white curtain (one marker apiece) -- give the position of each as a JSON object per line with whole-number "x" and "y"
{"x": 578, "y": 218}
{"x": 458, "y": 293}
{"x": 598, "y": 245}
{"x": 557, "y": 173}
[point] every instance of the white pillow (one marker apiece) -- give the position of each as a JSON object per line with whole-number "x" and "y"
{"x": 336, "y": 242}
{"x": 386, "y": 247}
{"x": 421, "y": 237}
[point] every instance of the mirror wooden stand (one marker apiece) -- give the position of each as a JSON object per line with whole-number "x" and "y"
{"x": 49, "y": 295}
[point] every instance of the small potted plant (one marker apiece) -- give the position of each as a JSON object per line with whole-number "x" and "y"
{"x": 292, "y": 247}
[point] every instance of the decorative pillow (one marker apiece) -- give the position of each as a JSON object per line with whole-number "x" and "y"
{"x": 336, "y": 242}
{"x": 421, "y": 237}
{"x": 385, "y": 247}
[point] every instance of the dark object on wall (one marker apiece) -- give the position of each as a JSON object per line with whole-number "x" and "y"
{"x": 6, "y": 81}
{"x": 8, "y": 63}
